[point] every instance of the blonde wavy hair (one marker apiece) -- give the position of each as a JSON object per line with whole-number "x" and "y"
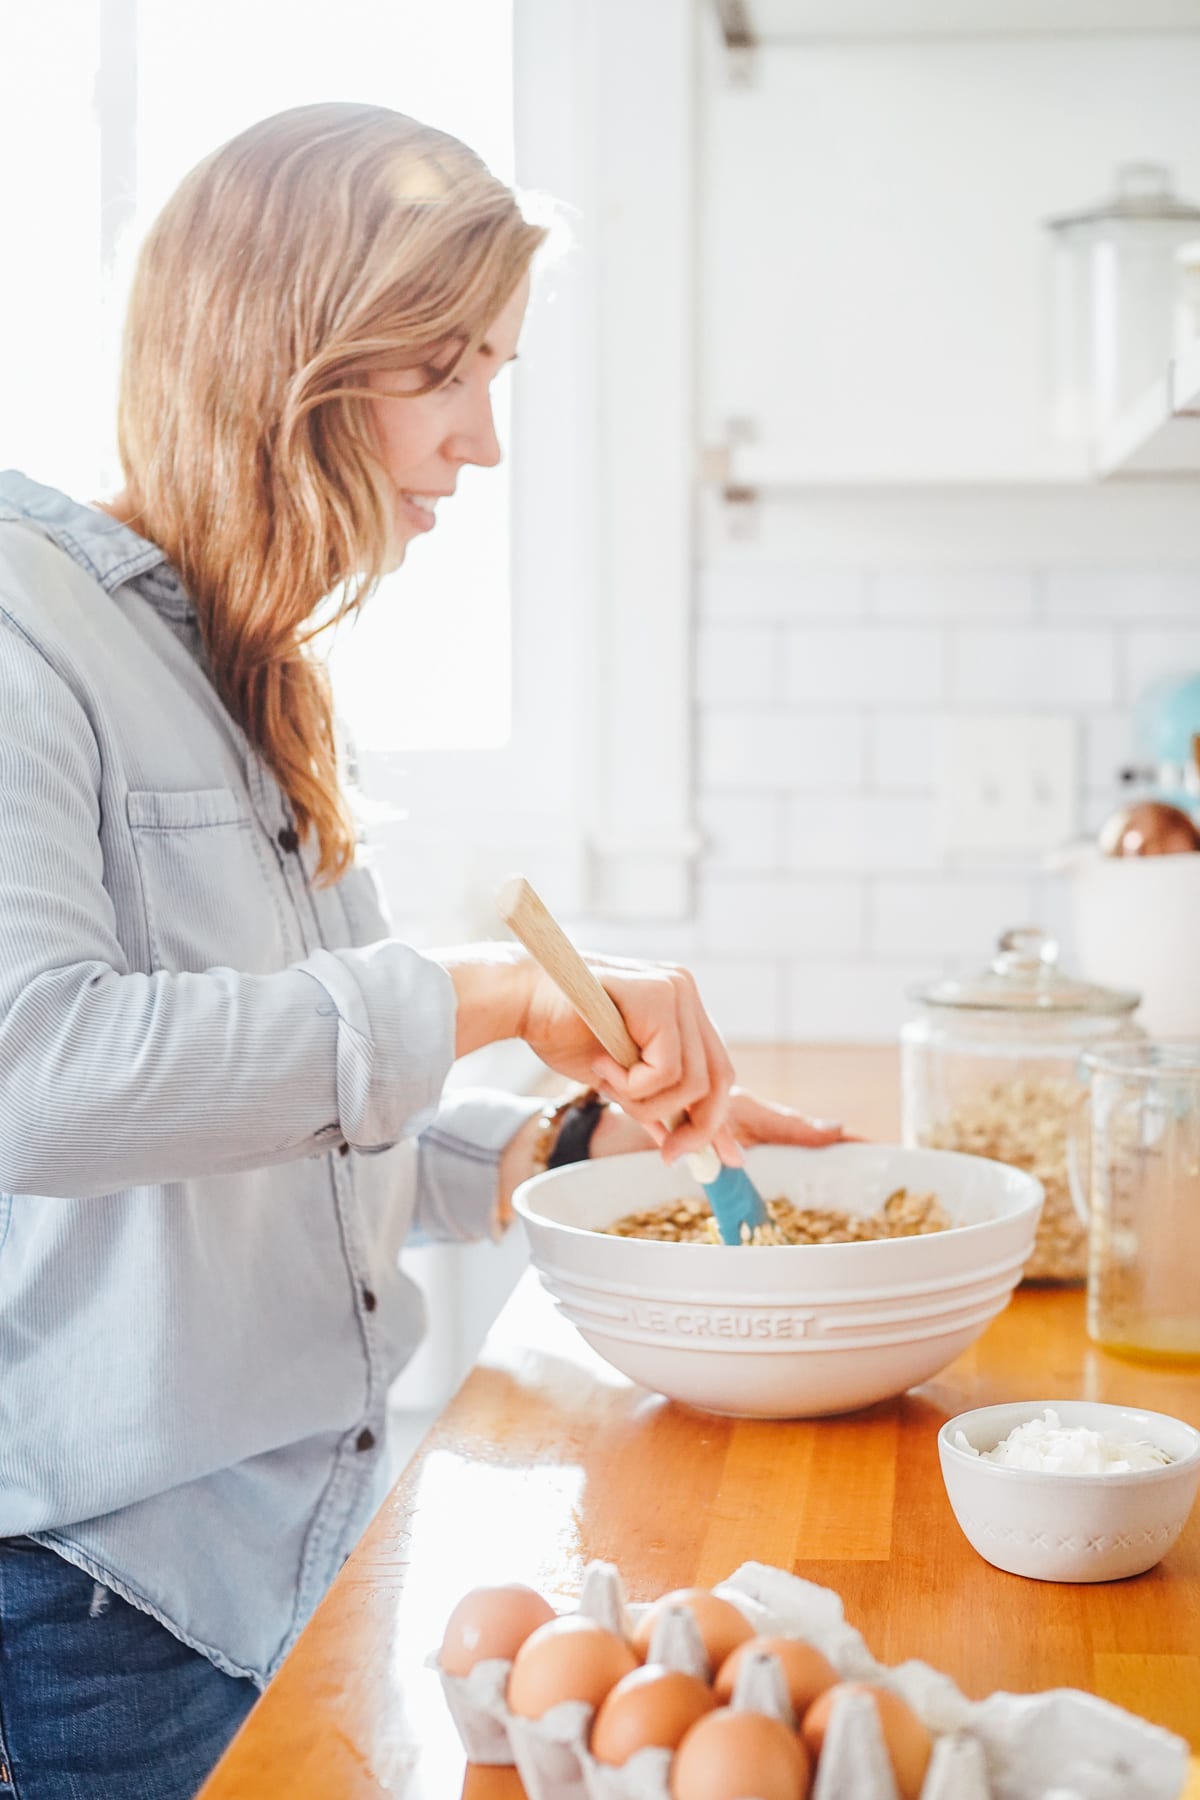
{"x": 316, "y": 247}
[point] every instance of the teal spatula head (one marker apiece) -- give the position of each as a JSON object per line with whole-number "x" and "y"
{"x": 735, "y": 1200}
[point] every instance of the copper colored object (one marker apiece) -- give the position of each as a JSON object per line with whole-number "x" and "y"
{"x": 1149, "y": 828}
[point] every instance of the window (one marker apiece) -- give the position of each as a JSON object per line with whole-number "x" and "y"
{"x": 54, "y": 385}
{"x": 103, "y": 108}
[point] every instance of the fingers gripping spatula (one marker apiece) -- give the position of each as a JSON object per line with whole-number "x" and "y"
{"x": 736, "y": 1202}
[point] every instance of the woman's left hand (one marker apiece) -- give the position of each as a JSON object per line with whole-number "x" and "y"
{"x": 753, "y": 1121}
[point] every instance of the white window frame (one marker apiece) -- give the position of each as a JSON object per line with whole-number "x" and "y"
{"x": 618, "y": 78}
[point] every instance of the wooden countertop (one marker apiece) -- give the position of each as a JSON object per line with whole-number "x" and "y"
{"x": 547, "y": 1457}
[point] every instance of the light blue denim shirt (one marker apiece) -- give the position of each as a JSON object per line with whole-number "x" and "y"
{"x": 220, "y": 1115}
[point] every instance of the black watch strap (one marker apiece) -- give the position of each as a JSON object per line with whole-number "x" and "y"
{"x": 573, "y": 1143}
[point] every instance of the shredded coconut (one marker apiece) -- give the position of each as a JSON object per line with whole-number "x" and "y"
{"x": 1057, "y": 1449}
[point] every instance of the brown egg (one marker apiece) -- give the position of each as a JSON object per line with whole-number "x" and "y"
{"x": 490, "y": 1622}
{"x": 570, "y": 1658}
{"x": 721, "y": 1626}
{"x": 805, "y": 1671}
{"x": 730, "y": 1755}
{"x": 909, "y": 1745}
{"x": 1148, "y": 828}
{"x": 654, "y": 1705}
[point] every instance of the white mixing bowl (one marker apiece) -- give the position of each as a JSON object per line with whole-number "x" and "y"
{"x": 783, "y": 1331}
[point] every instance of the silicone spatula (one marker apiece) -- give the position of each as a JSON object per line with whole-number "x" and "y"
{"x": 736, "y": 1203}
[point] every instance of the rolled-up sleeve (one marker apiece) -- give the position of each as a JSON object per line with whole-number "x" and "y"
{"x": 388, "y": 1079}
{"x": 459, "y": 1150}
{"x": 459, "y": 1155}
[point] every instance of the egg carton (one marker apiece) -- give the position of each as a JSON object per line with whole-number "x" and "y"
{"x": 1059, "y": 1745}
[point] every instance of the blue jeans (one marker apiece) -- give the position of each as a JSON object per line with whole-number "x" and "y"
{"x": 98, "y": 1701}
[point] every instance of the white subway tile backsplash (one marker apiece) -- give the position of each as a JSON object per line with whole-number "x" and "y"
{"x": 741, "y": 832}
{"x": 1131, "y": 594}
{"x": 850, "y": 1002}
{"x": 651, "y": 940}
{"x": 746, "y": 588}
{"x": 946, "y": 917}
{"x": 780, "y": 915}
{"x": 961, "y": 594}
{"x": 778, "y": 750}
{"x": 1151, "y": 655}
{"x": 906, "y": 749}
{"x": 1033, "y": 667}
{"x": 745, "y": 998}
{"x": 833, "y": 654}
{"x": 864, "y": 666}
{"x": 1054, "y": 910}
{"x": 736, "y": 662}
{"x": 862, "y": 833}
{"x": 1108, "y": 747}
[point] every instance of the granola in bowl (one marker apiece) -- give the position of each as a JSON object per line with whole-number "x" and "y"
{"x": 690, "y": 1221}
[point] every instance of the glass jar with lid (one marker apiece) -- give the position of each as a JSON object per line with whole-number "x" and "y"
{"x": 990, "y": 1065}
{"x": 1116, "y": 286}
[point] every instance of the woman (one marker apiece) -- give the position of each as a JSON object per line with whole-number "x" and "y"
{"x": 220, "y": 1077}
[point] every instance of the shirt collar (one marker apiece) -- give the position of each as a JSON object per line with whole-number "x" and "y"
{"x": 112, "y": 553}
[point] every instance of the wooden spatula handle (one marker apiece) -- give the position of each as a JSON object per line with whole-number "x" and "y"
{"x": 530, "y": 921}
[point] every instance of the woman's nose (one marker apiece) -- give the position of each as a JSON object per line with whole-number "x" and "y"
{"x": 475, "y": 440}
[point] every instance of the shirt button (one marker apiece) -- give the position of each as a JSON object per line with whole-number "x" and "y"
{"x": 288, "y": 840}
{"x": 368, "y": 1300}
{"x": 365, "y": 1439}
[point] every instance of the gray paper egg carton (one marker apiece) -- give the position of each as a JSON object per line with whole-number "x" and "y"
{"x": 1061, "y": 1745}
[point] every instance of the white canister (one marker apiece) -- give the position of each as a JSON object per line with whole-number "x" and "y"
{"x": 1115, "y": 296}
{"x": 1137, "y": 925}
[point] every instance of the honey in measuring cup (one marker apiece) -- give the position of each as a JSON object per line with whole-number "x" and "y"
{"x": 1135, "y": 1171}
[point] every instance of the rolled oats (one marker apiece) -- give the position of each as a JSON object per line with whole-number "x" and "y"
{"x": 1024, "y": 1123}
{"x": 691, "y": 1222}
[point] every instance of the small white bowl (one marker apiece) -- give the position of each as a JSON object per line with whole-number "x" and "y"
{"x": 1070, "y": 1527}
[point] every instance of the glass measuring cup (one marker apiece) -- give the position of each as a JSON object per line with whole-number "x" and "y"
{"x": 1134, "y": 1167}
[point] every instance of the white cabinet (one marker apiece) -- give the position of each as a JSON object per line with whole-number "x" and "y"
{"x": 875, "y": 269}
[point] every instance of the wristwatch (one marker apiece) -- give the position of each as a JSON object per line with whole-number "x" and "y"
{"x": 565, "y": 1129}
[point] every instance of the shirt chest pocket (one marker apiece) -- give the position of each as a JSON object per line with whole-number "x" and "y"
{"x": 214, "y": 893}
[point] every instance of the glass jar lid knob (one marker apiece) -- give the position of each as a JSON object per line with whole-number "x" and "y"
{"x": 1026, "y": 950}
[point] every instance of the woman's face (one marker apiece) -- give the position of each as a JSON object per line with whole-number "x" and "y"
{"x": 425, "y": 439}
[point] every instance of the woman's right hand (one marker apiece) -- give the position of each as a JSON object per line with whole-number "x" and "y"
{"x": 684, "y": 1067}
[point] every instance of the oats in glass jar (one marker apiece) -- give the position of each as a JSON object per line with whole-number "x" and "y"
{"x": 1024, "y": 1123}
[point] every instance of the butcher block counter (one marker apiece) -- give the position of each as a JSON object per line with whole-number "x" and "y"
{"x": 546, "y": 1458}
